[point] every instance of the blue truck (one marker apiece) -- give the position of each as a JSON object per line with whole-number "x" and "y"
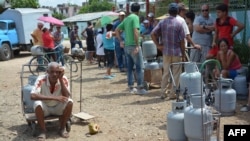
{"x": 16, "y": 26}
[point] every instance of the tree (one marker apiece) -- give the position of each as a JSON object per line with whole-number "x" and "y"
{"x": 97, "y": 6}
{"x": 58, "y": 15}
{"x": 24, "y": 4}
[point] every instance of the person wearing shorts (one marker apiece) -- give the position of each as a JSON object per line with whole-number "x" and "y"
{"x": 89, "y": 41}
{"x": 229, "y": 60}
{"x": 52, "y": 97}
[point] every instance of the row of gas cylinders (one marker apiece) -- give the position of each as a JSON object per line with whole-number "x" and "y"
{"x": 187, "y": 123}
{"x": 224, "y": 96}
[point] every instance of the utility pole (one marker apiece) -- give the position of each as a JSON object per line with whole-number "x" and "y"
{"x": 127, "y": 7}
{"x": 147, "y": 7}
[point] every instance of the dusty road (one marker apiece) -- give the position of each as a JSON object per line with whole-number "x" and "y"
{"x": 121, "y": 115}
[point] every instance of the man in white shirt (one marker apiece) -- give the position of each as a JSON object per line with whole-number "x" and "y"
{"x": 52, "y": 97}
{"x": 180, "y": 17}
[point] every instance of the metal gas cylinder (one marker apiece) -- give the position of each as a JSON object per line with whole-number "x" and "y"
{"x": 36, "y": 50}
{"x": 225, "y": 97}
{"x": 175, "y": 122}
{"x": 27, "y": 102}
{"x": 151, "y": 65}
{"x": 240, "y": 84}
{"x": 196, "y": 115}
{"x": 149, "y": 49}
{"x": 191, "y": 79}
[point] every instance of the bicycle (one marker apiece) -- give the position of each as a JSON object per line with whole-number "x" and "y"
{"x": 39, "y": 63}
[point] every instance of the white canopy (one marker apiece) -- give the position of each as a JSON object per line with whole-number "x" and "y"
{"x": 88, "y": 16}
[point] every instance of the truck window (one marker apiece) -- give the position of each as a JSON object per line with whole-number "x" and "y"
{"x": 2, "y": 25}
{"x": 11, "y": 26}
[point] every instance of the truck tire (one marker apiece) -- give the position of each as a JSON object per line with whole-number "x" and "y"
{"x": 5, "y": 52}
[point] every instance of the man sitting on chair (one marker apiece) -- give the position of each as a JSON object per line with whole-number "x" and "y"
{"x": 52, "y": 97}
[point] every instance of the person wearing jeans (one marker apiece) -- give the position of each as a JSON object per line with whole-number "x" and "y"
{"x": 119, "y": 51}
{"x": 130, "y": 25}
{"x": 137, "y": 61}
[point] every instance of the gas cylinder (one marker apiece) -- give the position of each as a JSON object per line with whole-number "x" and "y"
{"x": 240, "y": 84}
{"x": 191, "y": 79}
{"x": 225, "y": 97}
{"x": 36, "y": 50}
{"x": 151, "y": 65}
{"x": 175, "y": 122}
{"x": 196, "y": 115}
{"x": 27, "y": 102}
{"x": 149, "y": 50}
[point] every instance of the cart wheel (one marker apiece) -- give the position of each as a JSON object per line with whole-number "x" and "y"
{"x": 146, "y": 85}
{"x": 68, "y": 126}
{"x": 33, "y": 128}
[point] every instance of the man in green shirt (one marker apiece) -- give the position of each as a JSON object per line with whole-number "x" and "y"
{"x": 133, "y": 52}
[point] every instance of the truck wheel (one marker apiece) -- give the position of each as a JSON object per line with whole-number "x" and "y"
{"x": 5, "y": 52}
{"x": 16, "y": 52}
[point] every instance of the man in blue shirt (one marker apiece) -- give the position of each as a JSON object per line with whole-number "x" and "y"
{"x": 119, "y": 52}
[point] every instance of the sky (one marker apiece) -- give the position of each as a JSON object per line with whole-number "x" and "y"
{"x": 54, "y": 3}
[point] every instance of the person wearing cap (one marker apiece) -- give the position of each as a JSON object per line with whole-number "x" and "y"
{"x": 152, "y": 21}
{"x": 130, "y": 25}
{"x": 172, "y": 47}
{"x": 203, "y": 28}
{"x": 144, "y": 29}
{"x": 119, "y": 52}
{"x": 182, "y": 10}
{"x": 58, "y": 39}
{"x": 37, "y": 35}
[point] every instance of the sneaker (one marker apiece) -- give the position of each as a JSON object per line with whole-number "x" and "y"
{"x": 141, "y": 91}
{"x": 245, "y": 108}
{"x": 107, "y": 77}
{"x": 132, "y": 90}
{"x": 112, "y": 75}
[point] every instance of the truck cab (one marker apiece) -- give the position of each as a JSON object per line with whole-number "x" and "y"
{"x": 8, "y": 36}
{"x": 16, "y": 26}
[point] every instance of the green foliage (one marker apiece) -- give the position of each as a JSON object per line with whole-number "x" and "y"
{"x": 24, "y": 3}
{"x": 242, "y": 50}
{"x": 97, "y": 6}
{"x": 161, "y": 7}
{"x": 58, "y": 15}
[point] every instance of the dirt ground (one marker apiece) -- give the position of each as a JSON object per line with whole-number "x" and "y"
{"x": 122, "y": 116}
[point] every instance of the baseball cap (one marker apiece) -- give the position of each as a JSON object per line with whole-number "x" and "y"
{"x": 182, "y": 6}
{"x": 122, "y": 13}
{"x": 99, "y": 30}
{"x": 145, "y": 21}
{"x": 150, "y": 14}
{"x": 173, "y": 7}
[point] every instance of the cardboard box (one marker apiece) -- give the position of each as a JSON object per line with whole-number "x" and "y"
{"x": 153, "y": 76}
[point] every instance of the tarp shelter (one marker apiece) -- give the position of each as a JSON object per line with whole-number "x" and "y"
{"x": 87, "y": 17}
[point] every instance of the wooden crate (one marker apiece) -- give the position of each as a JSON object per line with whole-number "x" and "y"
{"x": 153, "y": 76}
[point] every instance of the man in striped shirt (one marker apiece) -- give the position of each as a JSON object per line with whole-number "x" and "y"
{"x": 172, "y": 48}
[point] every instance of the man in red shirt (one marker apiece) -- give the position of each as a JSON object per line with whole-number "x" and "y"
{"x": 48, "y": 43}
{"x": 224, "y": 28}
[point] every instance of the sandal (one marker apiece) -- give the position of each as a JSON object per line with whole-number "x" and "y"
{"x": 41, "y": 137}
{"x": 63, "y": 133}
